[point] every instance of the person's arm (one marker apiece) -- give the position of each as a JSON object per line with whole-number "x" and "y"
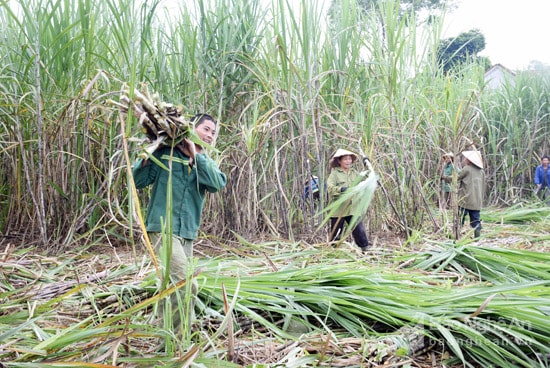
{"x": 209, "y": 175}
{"x": 538, "y": 177}
{"x": 144, "y": 173}
{"x": 462, "y": 174}
{"x": 446, "y": 178}
{"x": 447, "y": 174}
{"x": 334, "y": 188}
{"x": 189, "y": 149}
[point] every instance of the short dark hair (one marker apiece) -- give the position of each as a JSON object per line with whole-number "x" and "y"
{"x": 198, "y": 119}
{"x": 544, "y": 156}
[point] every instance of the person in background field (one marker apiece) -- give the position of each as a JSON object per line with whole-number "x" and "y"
{"x": 341, "y": 177}
{"x": 312, "y": 185}
{"x": 471, "y": 188}
{"x": 193, "y": 175}
{"x": 542, "y": 179}
{"x": 446, "y": 179}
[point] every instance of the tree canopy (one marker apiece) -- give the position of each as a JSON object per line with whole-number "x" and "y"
{"x": 455, "y": 51}
{"x": 406, "y": 6}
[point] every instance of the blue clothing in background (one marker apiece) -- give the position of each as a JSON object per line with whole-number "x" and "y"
{"x": 314, "y": 185}
{"x": 542, "y": 176}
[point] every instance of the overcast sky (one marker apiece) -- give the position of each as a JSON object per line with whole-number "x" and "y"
{"x": 515, "y": 31}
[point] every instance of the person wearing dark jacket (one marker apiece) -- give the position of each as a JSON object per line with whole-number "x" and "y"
{"x": 542, "y": 178}
{"x": 471, "y": 189}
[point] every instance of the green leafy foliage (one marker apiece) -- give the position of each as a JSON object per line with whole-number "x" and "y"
{"x": 455, "y": 52}
{"x": 470, "y": 304}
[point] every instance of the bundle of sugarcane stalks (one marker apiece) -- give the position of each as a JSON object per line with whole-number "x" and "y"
{"x": 162, "y": 123}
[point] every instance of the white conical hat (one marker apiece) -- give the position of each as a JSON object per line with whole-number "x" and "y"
{"x": 474, "y": 157}
{"x": 342, "y": 152}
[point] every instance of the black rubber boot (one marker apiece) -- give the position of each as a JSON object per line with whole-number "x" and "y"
{"x": 477, "y": 232}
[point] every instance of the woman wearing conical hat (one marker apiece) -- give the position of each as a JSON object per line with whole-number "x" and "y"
{"x": 471, "y": 188}
{"x": 341, "y": 177}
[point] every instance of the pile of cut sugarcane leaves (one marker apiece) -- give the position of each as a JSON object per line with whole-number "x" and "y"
{"x": 279, "y": 303}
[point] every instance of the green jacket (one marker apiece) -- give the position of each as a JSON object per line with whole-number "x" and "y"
{"x": 471, "y": 187}
{"x": 189, "y": 187}
{"x": 337, "y": 180}
{"x": 447, "y": 177}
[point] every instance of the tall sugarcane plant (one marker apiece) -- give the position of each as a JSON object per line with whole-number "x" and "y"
{"x": 287, "y": 89}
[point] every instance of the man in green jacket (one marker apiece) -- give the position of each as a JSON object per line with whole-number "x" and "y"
{"x": 193, "y": 174}
{"x": 471, "y": 188}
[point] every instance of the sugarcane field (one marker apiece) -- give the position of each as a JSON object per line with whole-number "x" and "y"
{"x": 243, "y": 183}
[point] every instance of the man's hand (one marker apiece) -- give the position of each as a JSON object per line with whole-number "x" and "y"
{"x": 189, "y": 149}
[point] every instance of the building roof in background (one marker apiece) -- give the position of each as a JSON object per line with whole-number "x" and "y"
{"x": 499, "y": 75}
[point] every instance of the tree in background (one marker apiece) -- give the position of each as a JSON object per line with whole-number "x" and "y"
{"x": 456, "y": 51}
{"x": 539, "y": 66}
{"x": 405, "y": 5}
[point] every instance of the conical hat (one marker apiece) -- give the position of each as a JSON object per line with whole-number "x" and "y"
{"x": 474, "y": 157}
{"x": 342, "y": 152}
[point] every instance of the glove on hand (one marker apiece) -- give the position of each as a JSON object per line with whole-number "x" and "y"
{"x": 343, "y": 189}
{"x": 364, "y": 173}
